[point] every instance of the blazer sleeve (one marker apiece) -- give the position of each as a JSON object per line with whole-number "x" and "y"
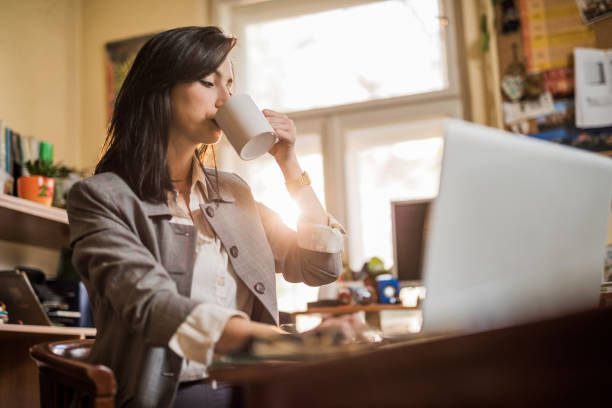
{"x": 119, "y": 269}
{"x": 315, "y": 265}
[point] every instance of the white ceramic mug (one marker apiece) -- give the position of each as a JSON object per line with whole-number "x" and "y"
{"x": 246, "y": 127}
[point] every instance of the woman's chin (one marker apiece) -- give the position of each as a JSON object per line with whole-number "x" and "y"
{"x": 212, "y": 138}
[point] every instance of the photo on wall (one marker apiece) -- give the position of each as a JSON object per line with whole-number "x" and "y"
{"x": 118, "y": 59}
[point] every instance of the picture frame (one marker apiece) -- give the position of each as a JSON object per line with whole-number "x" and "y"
{"x": 118, "y": 59}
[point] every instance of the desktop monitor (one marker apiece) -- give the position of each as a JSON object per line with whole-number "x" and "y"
{"x": 517, "y": 232}
{"x": 409, "y": 221}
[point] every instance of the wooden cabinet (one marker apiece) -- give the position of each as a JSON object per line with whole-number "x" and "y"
{"x": 30, "y": 223}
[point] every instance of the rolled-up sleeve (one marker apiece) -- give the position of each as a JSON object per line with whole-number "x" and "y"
{"x": 312, "y": 255}
{"x": 321, "y": 238}
{"x": 195, "y": 338}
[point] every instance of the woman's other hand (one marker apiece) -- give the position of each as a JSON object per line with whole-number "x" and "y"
{"x": 350, "y": 326}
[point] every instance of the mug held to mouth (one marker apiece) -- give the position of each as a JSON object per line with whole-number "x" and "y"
{"x": 246, "y": 127}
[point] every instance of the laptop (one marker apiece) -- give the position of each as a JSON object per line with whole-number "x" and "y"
{"x": 21, "y": 302}
{"x": 517, "y": 232}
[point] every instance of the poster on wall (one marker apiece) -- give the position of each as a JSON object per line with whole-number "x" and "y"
{"x": 118, "y": 59}
{"x": 551, "y": 29}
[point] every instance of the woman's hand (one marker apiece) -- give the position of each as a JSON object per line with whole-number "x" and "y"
{"x": 351, "y": 327}
{"x": 238, "y": 331}
{"x": 283, "y": 151}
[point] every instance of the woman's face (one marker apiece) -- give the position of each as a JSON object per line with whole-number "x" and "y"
{"x": 195, "y": 104}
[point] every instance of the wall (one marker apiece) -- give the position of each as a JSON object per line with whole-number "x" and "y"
{"x": 40, "y": 72}
{"x": 40, "y": 91}
{"x": 112, "y": 20}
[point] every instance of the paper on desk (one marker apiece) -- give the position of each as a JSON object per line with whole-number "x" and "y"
{"x": 593, "y": 73}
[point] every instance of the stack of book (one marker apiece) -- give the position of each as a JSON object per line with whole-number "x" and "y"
{"x": 15, "y": 151}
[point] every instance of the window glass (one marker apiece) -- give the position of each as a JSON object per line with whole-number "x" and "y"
{"x": 359, "y": 53}
{"x": 268, "y": 184}
{"x": 385, "y": 164}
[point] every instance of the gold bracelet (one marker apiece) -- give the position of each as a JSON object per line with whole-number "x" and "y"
{"x": 294, "y": 185}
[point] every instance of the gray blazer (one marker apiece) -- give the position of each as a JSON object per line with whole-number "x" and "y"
{"x": 138, "y": 267}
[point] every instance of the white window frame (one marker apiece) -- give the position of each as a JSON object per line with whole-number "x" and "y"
{"x": 335, "y": 122}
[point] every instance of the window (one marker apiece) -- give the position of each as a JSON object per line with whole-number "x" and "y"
{"x": 393, "y": 167}
{"x": 357, "y": 53}
{"x": 368, "y": 82}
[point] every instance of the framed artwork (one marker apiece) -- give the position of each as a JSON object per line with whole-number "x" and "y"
{"x": 118, "y": 58}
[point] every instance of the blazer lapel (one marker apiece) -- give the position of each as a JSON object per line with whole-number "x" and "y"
{"x": 224, "y": 195}
{"x": 156, "y": 209}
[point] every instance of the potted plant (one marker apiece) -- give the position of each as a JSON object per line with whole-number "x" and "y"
{"x": 39, "y": 185}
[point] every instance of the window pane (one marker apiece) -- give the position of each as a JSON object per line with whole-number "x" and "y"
{"x": 372, "y": 51}
{"x": 392, "y": 166}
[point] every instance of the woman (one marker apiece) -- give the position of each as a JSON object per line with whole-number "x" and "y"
{"x": 178, "y": 259}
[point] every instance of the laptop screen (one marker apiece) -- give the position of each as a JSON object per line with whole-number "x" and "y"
{"x": 21, "y": 302}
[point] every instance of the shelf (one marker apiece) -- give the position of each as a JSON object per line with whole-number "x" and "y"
{"x": 7, "y": 329}
{"x": 355, "y": 308}
{"x": 30, "y": 223}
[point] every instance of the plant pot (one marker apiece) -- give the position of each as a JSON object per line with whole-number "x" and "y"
{"x": 36, "y": 188}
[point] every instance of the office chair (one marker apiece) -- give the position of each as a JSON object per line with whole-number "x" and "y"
{"x": 67, "y": 380}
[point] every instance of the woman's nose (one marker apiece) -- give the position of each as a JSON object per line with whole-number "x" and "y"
{"x": 224, "y": 95}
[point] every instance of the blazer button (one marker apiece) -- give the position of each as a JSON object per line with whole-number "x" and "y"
{"x": 234, "y": 251}
{"x": 260, "y": 288}
{"x": 210, "y": 211}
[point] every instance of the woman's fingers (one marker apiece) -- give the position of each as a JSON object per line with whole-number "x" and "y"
{"x": 351, "y": 327}
{"x": 286, "y": 133}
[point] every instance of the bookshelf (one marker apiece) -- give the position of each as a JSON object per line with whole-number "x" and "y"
{"x": 30, "y": 223}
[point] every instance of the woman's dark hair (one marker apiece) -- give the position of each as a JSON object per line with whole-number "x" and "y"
{"x": 137, "y": 140}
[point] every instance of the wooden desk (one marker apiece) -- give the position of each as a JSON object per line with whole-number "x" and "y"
{"x": 18, "y": 372}
{"x": 560, "y": 362}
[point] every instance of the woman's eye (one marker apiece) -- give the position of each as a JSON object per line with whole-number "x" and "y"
{"x": 207, "y": 83}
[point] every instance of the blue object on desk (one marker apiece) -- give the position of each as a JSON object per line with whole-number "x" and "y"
{"x": 388, "y": 291}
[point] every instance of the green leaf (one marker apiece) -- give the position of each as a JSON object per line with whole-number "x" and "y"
{"x": 44, "y": 168}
